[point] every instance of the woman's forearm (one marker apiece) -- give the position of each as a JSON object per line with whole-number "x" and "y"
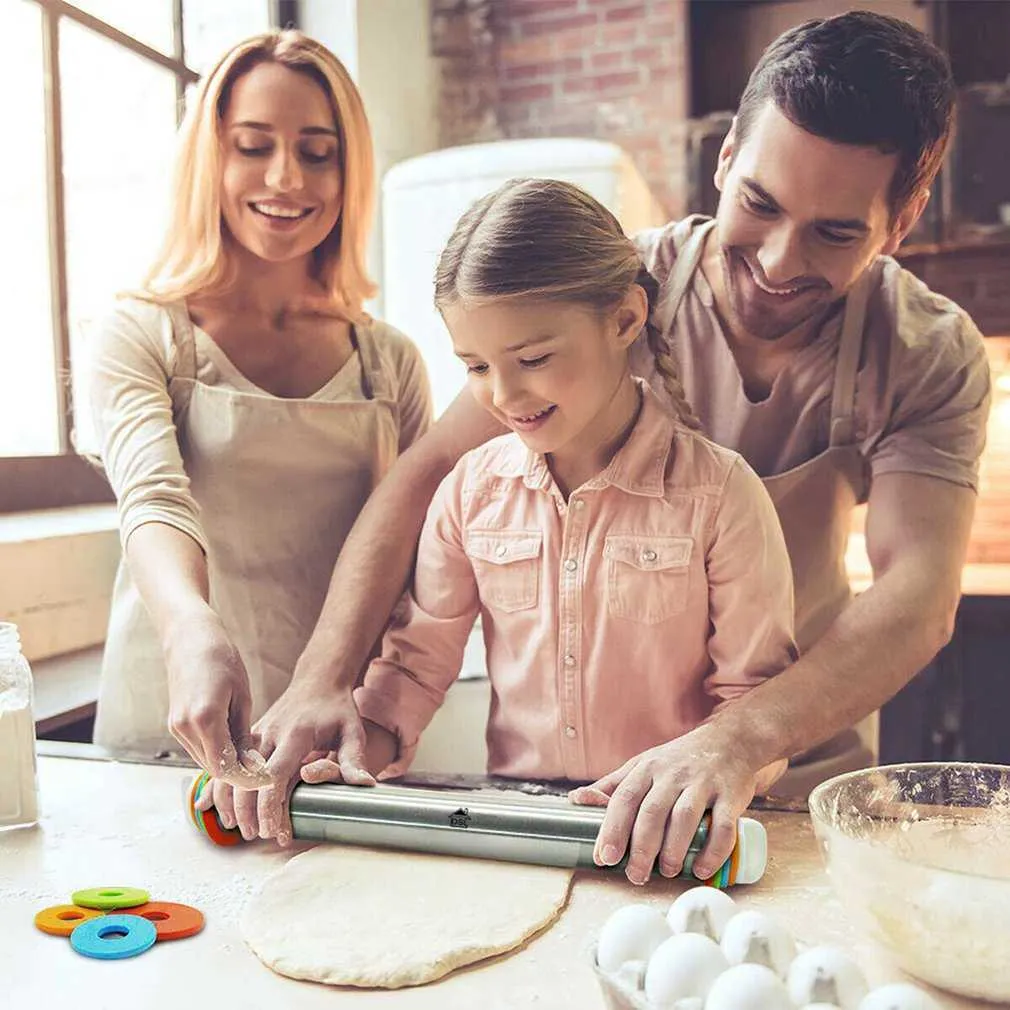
{"x": 170, "y": 571}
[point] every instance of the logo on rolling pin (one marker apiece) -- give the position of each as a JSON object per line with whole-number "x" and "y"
{"x": 460, "y": 818}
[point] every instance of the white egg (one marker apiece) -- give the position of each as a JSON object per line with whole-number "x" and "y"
{"x": 704, "y": 910}
{"x": 826, "y": 975}
{"x": 898, "y": 996}
{"x": 683, "y": 967}
{"x": 632, "y": 933}
{"x": 751, "y": 937}
{"x": 748, "y": 987}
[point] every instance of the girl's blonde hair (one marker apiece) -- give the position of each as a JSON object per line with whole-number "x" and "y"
{"x": 545, "y": 239}
{"x": 194, "y": 257}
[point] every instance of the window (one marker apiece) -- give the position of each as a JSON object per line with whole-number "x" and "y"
{"x": 100, "y": 86}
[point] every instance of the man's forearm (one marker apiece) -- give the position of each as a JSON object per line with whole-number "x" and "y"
{"x": 370, "y": 574}
{"x": 376, "y": 558}
{"x": 877, "y": 644}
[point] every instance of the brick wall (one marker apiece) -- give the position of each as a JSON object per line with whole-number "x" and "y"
{"x": 614, "y": 70}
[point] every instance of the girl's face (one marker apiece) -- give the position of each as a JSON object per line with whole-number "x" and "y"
{"x": 553, "y": 372}
{"x": 281, "y": 187}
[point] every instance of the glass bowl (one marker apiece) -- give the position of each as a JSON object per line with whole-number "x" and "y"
{"x": 920, "y": 856}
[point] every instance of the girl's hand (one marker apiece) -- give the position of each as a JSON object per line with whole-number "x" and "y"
{"x": 209, "y": 699}
{"x": 656, "y": 800}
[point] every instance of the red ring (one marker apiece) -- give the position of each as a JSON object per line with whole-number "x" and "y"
{"x": 170, "y": 920}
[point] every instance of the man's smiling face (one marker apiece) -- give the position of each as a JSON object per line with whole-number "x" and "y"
{"x": 800, "y": 218}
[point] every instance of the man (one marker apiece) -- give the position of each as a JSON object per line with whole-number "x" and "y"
{"x": 837, "y": 375}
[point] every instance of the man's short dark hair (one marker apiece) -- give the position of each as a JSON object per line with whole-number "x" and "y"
{"x": 865, "y": 79}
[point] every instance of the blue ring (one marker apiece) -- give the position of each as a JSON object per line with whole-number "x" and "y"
{"x": 92, "y": 938}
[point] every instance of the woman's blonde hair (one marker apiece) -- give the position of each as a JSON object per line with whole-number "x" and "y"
{"x": 545, "y": 239}
{"x": 194, "y": 257}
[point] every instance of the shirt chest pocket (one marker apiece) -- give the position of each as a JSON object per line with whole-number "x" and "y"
{"x": 507, "y": 566}
{"x": 648, "y": 578}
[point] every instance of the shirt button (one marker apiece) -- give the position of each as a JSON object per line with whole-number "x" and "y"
{"x": 579, "y": 503}
{"x": 570, "y": 732}
{"x": 501, "y": 550}
{"x": 569, "y": 660}
{"x": 571, "y": 564}
{"x": 649, "y": 555}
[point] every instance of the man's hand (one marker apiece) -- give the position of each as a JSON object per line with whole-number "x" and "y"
{"x": 242, "y": 807}
{"x": 656, "y": 800}
{"x": 303, "y": 725}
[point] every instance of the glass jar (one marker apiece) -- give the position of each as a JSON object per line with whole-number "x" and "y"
{"x": 18, "y": 784}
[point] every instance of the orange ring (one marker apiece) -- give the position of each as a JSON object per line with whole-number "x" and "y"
{"x": 213, "y": 829}
{"x": 62, "y": 920}
{"x": 170, "y": 920}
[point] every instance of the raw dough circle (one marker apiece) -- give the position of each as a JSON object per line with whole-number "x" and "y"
{"x": 377, "y": 919}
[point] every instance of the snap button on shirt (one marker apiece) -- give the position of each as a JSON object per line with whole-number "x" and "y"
{"x": 571, "y": 564}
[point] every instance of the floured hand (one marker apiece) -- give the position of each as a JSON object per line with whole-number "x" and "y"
{"x": 656, "y": 800}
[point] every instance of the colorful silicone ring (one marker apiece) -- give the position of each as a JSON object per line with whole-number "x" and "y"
{"x": 110, "y": 898}
{"x": 113, "y": 937}
{"x": 171, "y": 921}
{"x": 207, "y": 820}
{"x": 62, "y": 920}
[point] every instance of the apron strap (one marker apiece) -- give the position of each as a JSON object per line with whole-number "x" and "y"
{"x": 843, "y": 398}
{"x": 688, "y": 258}
{"x": 185, "y": 343}
{"x": 374, "y": 374}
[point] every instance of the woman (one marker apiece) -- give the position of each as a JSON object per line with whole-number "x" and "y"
{"x": 246, "y": 404}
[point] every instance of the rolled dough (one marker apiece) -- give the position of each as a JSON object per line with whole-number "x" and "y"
{"x": 377, "y": 919}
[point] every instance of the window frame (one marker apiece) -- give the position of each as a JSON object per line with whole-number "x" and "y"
{"x": 64, "y": 478}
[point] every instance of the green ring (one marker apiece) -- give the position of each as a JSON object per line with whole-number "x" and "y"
{"x": 107, "y": 898}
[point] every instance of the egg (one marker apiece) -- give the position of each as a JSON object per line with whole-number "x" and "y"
{"x": 751, "y": 937}
{"x": 748, "y": 987}
{"x": 898, "y": 996}
{"x": 631, "y": 933}
{"x": 826, "y": 975}
{"x": 702, "y": 910}
{"x": 682, "y": 967}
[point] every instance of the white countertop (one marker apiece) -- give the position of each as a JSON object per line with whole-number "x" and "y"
{"x": 107, "y": 824}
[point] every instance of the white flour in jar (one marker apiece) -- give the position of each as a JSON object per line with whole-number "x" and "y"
{"x": 18, "y": 792}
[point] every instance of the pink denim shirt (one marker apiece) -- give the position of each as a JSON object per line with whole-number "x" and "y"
{"x": 613, "y": 622}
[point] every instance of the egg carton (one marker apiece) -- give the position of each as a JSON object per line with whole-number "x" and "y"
{"x": 617, "y": 993}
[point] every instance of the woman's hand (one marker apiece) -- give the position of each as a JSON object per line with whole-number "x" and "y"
{"x": 265, "y": 813}
{"x": 209, "y": 699}
{"x": 656, "y": 800}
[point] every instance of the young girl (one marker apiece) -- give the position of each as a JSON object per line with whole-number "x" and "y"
{"x": 631, "y": 576}
{"x": 246, "y": 407}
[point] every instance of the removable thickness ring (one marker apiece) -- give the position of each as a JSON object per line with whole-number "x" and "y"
{"x": 62, "y": 920}
{"x": 113, "y": 937}
{"x": 110, "y": 898}
{"x": 172, "y": 921}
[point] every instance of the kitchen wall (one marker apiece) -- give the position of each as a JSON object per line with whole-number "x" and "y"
{"x": 591, "y": 68}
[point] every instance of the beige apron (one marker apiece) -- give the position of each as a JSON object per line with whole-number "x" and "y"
{"x": 814, "y": 501}
{"x": 279, "y": 483}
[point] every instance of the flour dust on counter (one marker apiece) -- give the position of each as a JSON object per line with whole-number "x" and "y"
{"x": 375, "y": 919}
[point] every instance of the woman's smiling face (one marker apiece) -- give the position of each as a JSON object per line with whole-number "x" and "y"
{"x": 281, "y": 186}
